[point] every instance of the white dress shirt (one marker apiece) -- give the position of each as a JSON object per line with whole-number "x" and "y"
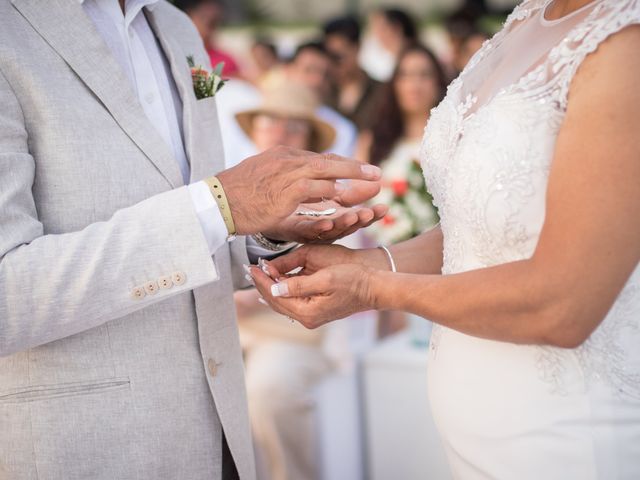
{"x": 134, "y": 46}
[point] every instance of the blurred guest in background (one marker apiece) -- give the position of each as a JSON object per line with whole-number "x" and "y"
{"x": 284, "y": 361}
{"x": 393, "y": 143}
{"x": 268, "y": 71}
{"x": 310, "y": 66}
{"x": 237, "y": 95}
{"x": 207, "y": 15}
{"x": 392, "y": 30}
{"x": 465, "y": 36}
{"x": 354, "y": 93}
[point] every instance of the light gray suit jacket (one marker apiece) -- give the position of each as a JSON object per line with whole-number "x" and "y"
{"x": 95, "y": 382}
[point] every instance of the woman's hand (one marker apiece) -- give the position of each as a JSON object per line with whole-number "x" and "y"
{"x": 321, "y": 297}
{"x": 313, "y": 258}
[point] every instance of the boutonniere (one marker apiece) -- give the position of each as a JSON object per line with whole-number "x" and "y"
{"x": 205, "y": 84}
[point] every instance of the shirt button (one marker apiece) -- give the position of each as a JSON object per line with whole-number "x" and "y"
{"x": 213, "y": 367}
{"x": 149, "y": 98}
{"x": 179, "y": 278}
{"x": 165, "y": 282}
{"x": 138, "y": 293}
{"x": 131, "y": 34}
{"x": 151, "y": 288}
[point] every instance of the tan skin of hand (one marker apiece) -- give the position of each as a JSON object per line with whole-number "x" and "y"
{"x": 265, "y": 190}
{"x": 588, "y": 247}
{"x": 279, "y": 224}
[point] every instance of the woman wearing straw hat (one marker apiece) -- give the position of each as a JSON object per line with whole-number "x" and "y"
{"x": 287, "y": 117}
{"x": 283, "y": 361}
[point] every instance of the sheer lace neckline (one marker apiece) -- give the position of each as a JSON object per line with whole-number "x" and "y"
{"x": 520, "y": 56}
{"x": 543, "y": 13}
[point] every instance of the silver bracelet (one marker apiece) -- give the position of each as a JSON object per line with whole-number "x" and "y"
{"x": 271, "y": 245}
{"x": 390, "y": 257}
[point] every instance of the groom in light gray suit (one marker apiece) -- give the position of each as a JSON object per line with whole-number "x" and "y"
{"x": 118, "y": 343}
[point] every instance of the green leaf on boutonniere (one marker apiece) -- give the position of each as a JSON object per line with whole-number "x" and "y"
{"x": 205, "y": 84}
{"x": 217, "y": 70}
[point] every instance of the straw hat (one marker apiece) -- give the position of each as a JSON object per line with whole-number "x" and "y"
{"x": 292, "y": 101}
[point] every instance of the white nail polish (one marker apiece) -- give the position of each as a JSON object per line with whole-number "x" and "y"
{"x": 249, "y": 279}
{"x": 279, "y": 290}
{"x": 263, "y": 302}
{"x": 247, "y": 268}
{"x": 263, "y": 266}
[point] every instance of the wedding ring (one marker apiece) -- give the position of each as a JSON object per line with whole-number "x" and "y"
{"x": 317, "y": 213}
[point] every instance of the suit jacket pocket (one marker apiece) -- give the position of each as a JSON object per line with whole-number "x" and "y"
{"x": 45, "y": 392}
{"x": 207, "y": 110}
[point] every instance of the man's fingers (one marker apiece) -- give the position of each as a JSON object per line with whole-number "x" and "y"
{"x": 311, "y": 191}
{"x": 331, "y": 166}
{"x": 380, "y": 211}
{"x": 357, "y": 192}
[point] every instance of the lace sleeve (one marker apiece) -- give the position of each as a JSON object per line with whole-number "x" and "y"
{"x": 608, "y": 18}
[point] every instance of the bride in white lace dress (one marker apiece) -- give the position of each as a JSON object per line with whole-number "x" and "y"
{"x": 533, "y": 159}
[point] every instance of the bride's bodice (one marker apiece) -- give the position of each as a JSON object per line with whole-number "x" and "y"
{"x": 487, "y": 153}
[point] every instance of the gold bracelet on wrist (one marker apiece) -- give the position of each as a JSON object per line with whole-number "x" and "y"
{"x": 223, "y": 204}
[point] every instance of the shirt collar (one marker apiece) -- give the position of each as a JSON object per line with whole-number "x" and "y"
{"x": 130, "y": 3}
{"x": 132, "y": 8}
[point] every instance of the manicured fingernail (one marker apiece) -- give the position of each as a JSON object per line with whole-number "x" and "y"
{"x": 263, "y": 266}
{"x": 249, "y": 279}
{"x": 280, "y": 290}
{"x": 340, "y": 188}
{"x": 371, "y": 171}
{"x": 263, "y": 302}
{"x": 247, "y": 268}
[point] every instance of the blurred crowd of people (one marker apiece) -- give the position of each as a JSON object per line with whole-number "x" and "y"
{"x": 330, "y": 95}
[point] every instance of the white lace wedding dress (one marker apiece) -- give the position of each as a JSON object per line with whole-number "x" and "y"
{"x": 510, "y": 411}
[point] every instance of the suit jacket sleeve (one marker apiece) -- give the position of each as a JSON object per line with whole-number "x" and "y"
{"x": 55, "y": 285}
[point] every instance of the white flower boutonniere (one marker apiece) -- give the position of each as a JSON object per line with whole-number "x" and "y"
{"x": 205, "y": 84}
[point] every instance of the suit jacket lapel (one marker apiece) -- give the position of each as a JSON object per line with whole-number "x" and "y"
{"x": 181, "y": 74}
{"x": 202, "y": 140}
{"x": 68, "y": 30}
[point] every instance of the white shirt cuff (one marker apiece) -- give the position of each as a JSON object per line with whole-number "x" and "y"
{"x": 213, "y": 227}
{"x": 255, "y": 251}
{"x": 211, "y": 221}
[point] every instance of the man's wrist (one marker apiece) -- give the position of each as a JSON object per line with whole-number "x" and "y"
{"x": 220, "y": 196}
{"x": 273, "y": 245}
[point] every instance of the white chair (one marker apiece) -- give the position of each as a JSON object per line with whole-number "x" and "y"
{"x": 340, "y": 406}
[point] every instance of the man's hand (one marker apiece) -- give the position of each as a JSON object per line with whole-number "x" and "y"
{"x": 310, "y": 230}
{"x": 265, "y": 189}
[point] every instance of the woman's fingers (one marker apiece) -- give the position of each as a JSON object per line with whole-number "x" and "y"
{"x": 290, "y": 261}
{"x": 302, "y": 286}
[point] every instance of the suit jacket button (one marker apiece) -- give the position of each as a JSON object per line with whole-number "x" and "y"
{"x": 165, "y": 282}
{"x": 178, "y": 278}
{"x": 138, "y": 293}
{"x": 213, "y": 367}
{"x": 151, "y": 288}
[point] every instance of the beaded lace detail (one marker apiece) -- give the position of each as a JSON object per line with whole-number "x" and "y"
{"x": 487, "y": 167}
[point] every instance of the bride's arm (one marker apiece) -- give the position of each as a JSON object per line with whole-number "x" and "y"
{"x": 588, "y": 247}
{"x": 590, "y": 242}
